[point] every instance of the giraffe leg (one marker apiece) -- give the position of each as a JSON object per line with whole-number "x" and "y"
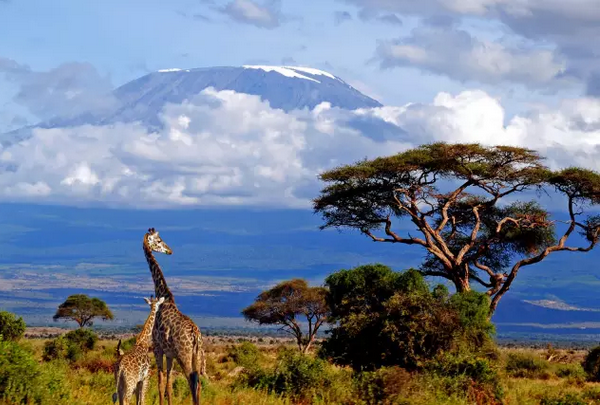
{"x": 158, "y": 355}
{"x": 169, "y": 380}
{"x": 193, "y": 377}
{"x": 142, "y": 389}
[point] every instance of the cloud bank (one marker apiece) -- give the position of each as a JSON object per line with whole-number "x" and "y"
{"x": 227, "y": 149}
{"x": 566, "y": 32}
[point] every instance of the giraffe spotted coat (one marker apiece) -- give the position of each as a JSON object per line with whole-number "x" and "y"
{"x": 132, "y": 370}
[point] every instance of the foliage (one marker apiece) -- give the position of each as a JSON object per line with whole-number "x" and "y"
{"x": 468, "y": 373}
{"x": 591, "y": 364}
{"x": 71, "y": 346}
{"x": 83, "y": 309}
{"x": 386, "y": 318}
{"x": 566, "y": 399}
{"x": 23, "y": 380}
{"x": 282, "y": 304}
{"x": 82, "y": 338}
{"x": 11, "y": 327}
{"x": 387, "y": 385}
{"x": 450, "y": 194}
{"x": 527, "y": 365}
{"x": 296, "y": 374}
{"x": 246, "y": 355}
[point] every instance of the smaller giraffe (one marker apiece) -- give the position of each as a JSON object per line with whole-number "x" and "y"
{"x": 132, "y": 370}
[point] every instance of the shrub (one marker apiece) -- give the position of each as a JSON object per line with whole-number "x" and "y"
{"x": 386, "y": 318}
{"x": 246, "y": 355}
{"x": 55, "y": 349}
{"x": 71, "y": 346}
{"x": 527, "y": 365}
{"x": 22, "y": 380}
{"x": 84, "y": 339}
{"x": 11, "y": 327}
{"x": 567, "y": 399}
{"x": 591, "y": 364}
{"x": 464, "y": 373}
{"x": 299, "y": 376}
{"x": 387, "y": 385}
{"x": 574, "y": 370}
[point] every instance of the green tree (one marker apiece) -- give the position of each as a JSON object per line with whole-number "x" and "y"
{"x": 11, "y": 327}
{"x": 83, "y": 309}
{"x": 387, "y": 318}
{"x": 284, "y": 303}
{"x": 450, "y": 195}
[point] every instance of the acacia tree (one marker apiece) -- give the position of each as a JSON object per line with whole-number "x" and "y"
{"x": 451, "y": 194}
{"x": 83, "y": 309}
{"x": 282, "y": 304}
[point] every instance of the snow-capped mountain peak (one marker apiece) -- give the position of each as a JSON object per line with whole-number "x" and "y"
{"x": 293, "y": 71}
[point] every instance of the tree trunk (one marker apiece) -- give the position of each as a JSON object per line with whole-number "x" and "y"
{"x": 461, "y": 283}
{"x": 308, "y": 345}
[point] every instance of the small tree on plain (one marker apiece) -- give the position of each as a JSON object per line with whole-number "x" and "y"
{"x": 451, "y": 194}
{"x": 83, "y": 309}
{"x": 284, "y": 303}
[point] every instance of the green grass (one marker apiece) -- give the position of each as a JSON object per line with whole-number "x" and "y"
{"x": 527, "y": 377}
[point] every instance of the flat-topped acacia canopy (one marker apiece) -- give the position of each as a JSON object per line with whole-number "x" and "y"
{"x": 467, "y": 234}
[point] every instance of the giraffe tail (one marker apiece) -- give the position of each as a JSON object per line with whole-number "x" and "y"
{"x": 198, "y": 368}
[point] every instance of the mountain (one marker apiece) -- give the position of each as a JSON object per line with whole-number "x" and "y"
{"x": 284, "y": 87}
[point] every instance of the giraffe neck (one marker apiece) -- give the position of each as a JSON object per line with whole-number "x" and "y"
{"x": 145, "y": 336}
{"x": 160, "y": 284}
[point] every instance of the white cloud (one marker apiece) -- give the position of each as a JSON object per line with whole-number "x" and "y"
{"x": 222, "y": 148}
{"x": 267, "y": 15}
{"x": 569, "y": 26}
{"x": 226, "y": 148}
{"x": 65, "y": 91}
{"x": 460, "y": 56}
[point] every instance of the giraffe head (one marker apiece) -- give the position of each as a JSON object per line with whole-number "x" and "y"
{"x": 155, "y": 243}
{"x": 154, "y": 302}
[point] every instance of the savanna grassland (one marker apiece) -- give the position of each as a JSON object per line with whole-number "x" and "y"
{"x": 272, "y": 371}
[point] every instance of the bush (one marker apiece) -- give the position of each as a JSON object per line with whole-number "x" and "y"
{"x": 11, "y": 327}
{"x": 388, "y": 385}
{"x": 464, "y": 373}
{"x": 71, "y": 346}
{"x": 527, "y": 365}
{"x": 246, "y": 355}
{"x": 591, "y": 364}
{"x": 575, "y": 371}
{"x": 386, "y": 318}
{"x": 84, "y": 339}
{"x": 299, "y": 376}
{"x": 22, "y": 380}
{"x": 55, "y": 349}
{"x": 568, "y": 399}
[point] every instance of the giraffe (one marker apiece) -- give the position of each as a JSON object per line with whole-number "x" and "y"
{"x": 175, "y": 336}
{"x": 132, "y": 370}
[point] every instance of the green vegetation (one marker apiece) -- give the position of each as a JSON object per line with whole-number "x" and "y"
{"x": 11, "y": 327}
{"x": 71, "y": 346}
{"x": 450, "y": 194}
{"x": 284, "y": 303}
{"x": 386, "y": 318}
{"x": 83, "y": 309}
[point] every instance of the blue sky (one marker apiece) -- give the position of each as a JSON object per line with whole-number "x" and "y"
{"x": 127, "y": 39}
{"x": 523, "y": 72}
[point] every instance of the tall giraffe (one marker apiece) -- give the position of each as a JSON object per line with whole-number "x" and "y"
{"x": 175, "y": 336}
{"x": 132, "y": 370}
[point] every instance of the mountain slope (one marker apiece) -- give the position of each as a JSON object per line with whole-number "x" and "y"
{"x": 284, "y": 87}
